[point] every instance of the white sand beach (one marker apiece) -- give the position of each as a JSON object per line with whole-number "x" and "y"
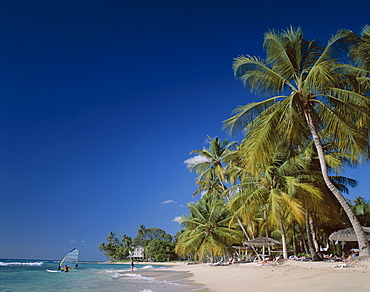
{"x": 288, "y": 276}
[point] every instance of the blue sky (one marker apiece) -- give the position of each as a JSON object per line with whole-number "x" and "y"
{"x": 102, "y": 102}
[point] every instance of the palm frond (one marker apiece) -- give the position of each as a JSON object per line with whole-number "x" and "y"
{"x": 258, "y": 77}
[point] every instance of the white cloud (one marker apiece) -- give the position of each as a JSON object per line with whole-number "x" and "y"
{"x": 169, "y": 202}
{"x": 176, "y": 219}
{"x": 202, "y": 193}
{"x": 195, "y": 160}
{"x": 75, "y": 241}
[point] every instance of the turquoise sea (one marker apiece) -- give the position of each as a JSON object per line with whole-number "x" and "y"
{"x": 31, "y": 275}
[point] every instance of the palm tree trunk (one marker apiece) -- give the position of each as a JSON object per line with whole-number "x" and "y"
{"x": 363, "y": 244}
{"x": 283, "y": 239}
{"x": 266, "y": 233}
{"x": 313, "y": 232}
{"x": 247, "y": 236}
{"x": 309, "y": 237}
{"x": 239, "y": 221}
{"x": 303, "y": 240}
{"x": 294, "y": 240}
{"x": 311, "y": 246}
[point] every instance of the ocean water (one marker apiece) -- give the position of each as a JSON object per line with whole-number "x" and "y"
{"x": 31, "y": 275}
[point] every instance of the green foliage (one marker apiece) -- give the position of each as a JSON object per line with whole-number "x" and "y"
{"x": 116, "y": 248}
{"x": 145, "y": 236}
{"x": 313, "y": 94}
{"x": 161, "y": 250}
{"x": 305, "y": 83}
{"x": 207, "y": 230}
{"x": 361, "y": 208}
{"x": 209, "y": 165}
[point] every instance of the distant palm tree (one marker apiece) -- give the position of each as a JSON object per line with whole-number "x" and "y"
{"x": 207, "y": 230}
{"x": 362, "y": 209}
{"x": 141, "y": 230}
{"x": 311, "y": 97}
{"x": 210, "y": 164}
{"x": 211, "y": 161}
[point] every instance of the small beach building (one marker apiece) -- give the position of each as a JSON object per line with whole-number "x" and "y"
{"x": 138, "y": 253}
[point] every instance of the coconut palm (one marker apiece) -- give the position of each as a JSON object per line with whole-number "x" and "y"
{"x": 209, "y": 162}
{"x": 362, "y": 209}
{"x": 360, "y": 54}
{"x": 309, "y": 96}
{"x": 207, "y": 230}
{"x": 277, "y": 193}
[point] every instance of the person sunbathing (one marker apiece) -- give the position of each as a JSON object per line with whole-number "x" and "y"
{"x": 268, "y": 260}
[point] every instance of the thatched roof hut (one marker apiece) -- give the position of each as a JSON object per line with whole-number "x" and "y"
{"x": 262, "y": 241}
{"x": 348, "y": 234}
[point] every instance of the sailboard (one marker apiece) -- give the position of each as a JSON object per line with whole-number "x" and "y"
{"x": 70, "y": 260}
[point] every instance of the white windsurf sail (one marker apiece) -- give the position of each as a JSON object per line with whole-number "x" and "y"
{"x": 70, "y": 260}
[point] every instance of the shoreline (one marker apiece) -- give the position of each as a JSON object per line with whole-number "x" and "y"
{"x": 289, "y": 276}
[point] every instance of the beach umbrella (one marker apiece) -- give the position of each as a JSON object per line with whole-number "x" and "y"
{"x": 348, "y": 234}
{"x": 262, "y": 242}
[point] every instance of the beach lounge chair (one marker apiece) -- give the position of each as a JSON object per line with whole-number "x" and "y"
{"x": 342, "y": 265}
{"x": 219, "y": 263}
{"x": 275, "y": 262}
{"x": 267, "y": 262}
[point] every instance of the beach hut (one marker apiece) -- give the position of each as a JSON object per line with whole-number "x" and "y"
{"x": 348, "y": 234}
{"x": 262, "y": 242}
{"x": 240, "y": 249}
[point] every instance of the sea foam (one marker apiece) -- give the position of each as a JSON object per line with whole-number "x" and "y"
{"x": 21, "y": 264}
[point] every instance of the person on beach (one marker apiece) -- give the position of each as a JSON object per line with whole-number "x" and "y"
{"x": 66, "y": 269}
{"x": 268, "y": 260}
{"x": 132, "y": 265}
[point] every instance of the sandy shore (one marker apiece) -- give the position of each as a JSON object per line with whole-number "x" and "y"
{"x": 288, "y": 276}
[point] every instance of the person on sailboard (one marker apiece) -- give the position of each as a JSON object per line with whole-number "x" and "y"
{"x": 66, "y": 268}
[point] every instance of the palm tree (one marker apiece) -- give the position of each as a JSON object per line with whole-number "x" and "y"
{"x": 360, "y": 54}
{"x": 141, "y": 230}
{"x": 210, "y": 164}
{"x": 310, "y": 95}
{"x": 362, "y": 209}
{"x": 207, "y": 229}
{"x": 277, "y": 192}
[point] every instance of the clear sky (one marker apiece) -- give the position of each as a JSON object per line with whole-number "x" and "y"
{"x": 103, "y": 100}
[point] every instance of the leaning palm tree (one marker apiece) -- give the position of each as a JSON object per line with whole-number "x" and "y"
{"x": 207, "y": 230}
{"x": 313, "y": 93}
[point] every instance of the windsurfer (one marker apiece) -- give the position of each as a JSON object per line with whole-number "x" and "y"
{"x": 66, "y": 268}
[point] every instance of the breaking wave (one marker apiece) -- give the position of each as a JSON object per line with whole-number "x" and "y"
{"x": 4, "y": 264}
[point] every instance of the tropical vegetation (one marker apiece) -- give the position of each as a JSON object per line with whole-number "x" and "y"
{"x": 282, "y": 180}
{"x": 157, "y": 244}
